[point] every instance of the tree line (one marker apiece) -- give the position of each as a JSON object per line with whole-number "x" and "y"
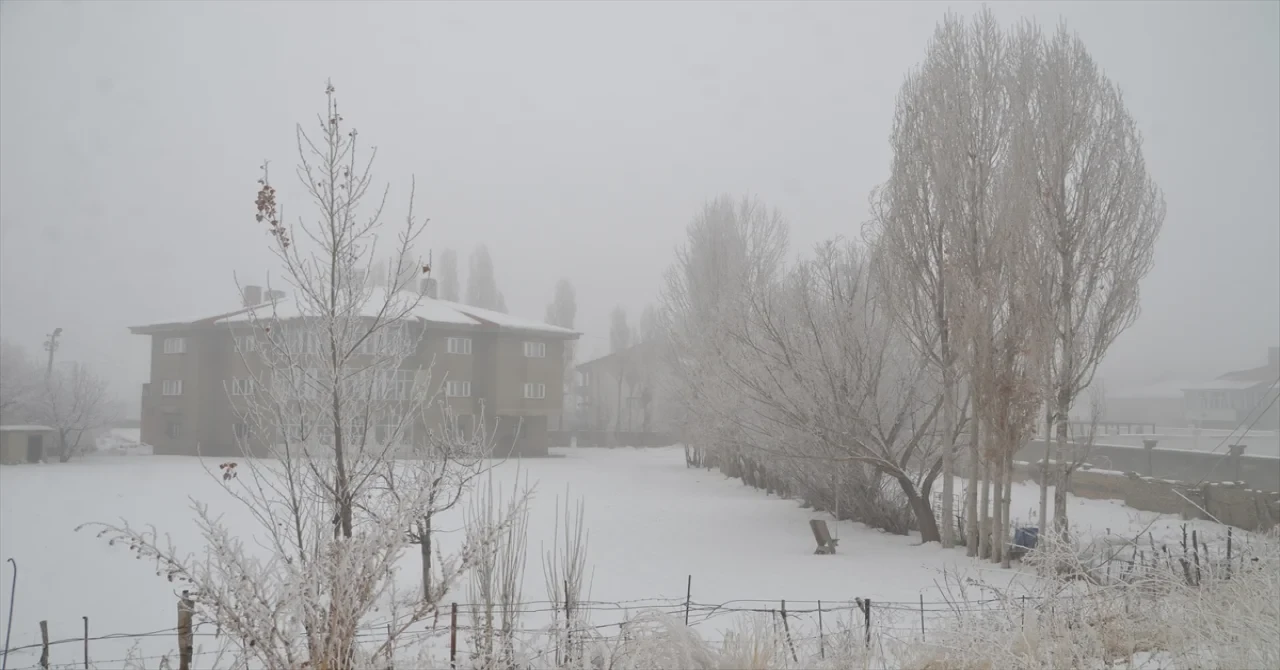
{"x": 1002, "y": 259}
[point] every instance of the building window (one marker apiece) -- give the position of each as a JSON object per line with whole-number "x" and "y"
{"x": 535, "y": 391}
{"x": 535, "y": 349}
{"x": 584, "y": 378}
{"x": 246, "y": 344}
{"x": 242, "y": 386}
{"x": 398, "y": 385}
{"x": 459, "y": 345}
{"x": 173, "y": 429}
{"x": 171, "y": 387}
{"x": 391, "y": 431}
{"x": 457, "y": 389}
{"x": 242, "y": 431}
{"x": 175, "y": 345}
{"x": 389, "y": 340}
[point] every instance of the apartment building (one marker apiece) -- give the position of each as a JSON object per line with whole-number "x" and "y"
{"x": 486, "y": 363}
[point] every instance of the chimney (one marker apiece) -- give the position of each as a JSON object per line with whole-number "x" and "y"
{"x": 274, "y": 296}
{"x": 252, "y": 295}
{"x": 1273, "y": 357}
{"x": 429, "y": 287}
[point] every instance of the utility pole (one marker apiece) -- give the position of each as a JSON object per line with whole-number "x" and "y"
{"x": 51, "y": 345}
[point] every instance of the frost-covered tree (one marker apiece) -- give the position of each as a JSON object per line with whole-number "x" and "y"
{"x": 446, "y": 272}
{"x": 20, "y": 382}
{"x": 1097, "y": 213}
{"x": 337, "y": 407}
{"x": 482, "y": 284}
{"x": 562, "y": 312}
{"x": 619, "y": 346}
{"x": 77, "y": 404}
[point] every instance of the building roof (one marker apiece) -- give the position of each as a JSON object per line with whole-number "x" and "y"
{"x": 1221, "y": 384}
{"x": 610, "y": 357}
{"x": 426, "y": 310}
{"x": 28, "y": 428}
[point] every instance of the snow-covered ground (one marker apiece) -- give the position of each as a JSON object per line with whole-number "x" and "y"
{"x": 652, "y": 523}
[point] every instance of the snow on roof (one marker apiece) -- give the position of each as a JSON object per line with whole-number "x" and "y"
{"x": 29, "y": 428}
{"x": 430, "y": 310}
{"x": 507, "y": 321}
{"x": 1171, "y": 389}
{"x": 1222, "y": 385}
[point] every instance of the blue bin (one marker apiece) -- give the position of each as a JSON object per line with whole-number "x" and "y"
{"x": 1025, "y": 538}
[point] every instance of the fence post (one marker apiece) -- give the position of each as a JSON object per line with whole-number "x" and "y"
{"x": 86, "y": 642}
{"x": 822, "y": 642}
{"x": 1234, "y": 452}
{"x": 1149, "y": 446}
{"x": 1228, "y": 552}
{"x": 44, "y": 645}
{"x": 688, "y": 598}
{"x": 786, "y": 628}
{"x": 866, "y": 617}
{"x": 185, "y": 646}
{"x": 922, "y": 617}
{"x": 453, "y": 635}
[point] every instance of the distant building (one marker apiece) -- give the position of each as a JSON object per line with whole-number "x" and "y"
{"x": 26, "y": 443}
{"x": 514, "y": 367}
{"x": 1242, "y": 397}
{"x": 626, "y": 392}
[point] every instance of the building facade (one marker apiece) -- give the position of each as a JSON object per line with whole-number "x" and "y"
{"x": 482, "y": 363}
{"x": 1239, "y": 398}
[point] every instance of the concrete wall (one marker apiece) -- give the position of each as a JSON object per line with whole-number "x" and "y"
{"x": 1257, "y": 472}
{"x": 607, "y": 438}
{"x": 1230, "y": 503}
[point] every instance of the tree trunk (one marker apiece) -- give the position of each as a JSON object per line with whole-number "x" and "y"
{"x": 971, "y": 494}
{"x": 1008, "y": 504}
{"x": 997, "y": 504}
{"x": 924, "y": 514}
{"x": 1044, "y": 471}
{"x": 948, "y": 448}
{"x": 1065, "y": 456}
{"x": 424, "y": 543}
{"x": 984, "y": 512}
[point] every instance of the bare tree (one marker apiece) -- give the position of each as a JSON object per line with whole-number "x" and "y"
{"x": 831, "y": 380}
{"x": 1098, "y": 213}
{"x": 77, "y": 404}
{"x": 619, "y": 346}
{"x": 332, "y": 403}
{"x": 732, "y": 246}
{"x": 20, "y": 382}
{"x": 482, "y": 285}
{"x": 562, "y": 311}
{"x": 446, "y": 269}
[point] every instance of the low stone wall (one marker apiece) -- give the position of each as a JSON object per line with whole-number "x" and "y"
{"x": 1258, "y": 472}
{"x": 1232, "y": 503}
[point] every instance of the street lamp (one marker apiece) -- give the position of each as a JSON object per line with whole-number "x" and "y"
{"x": 51, "y": 345}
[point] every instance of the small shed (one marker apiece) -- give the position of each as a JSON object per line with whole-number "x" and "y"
{"x": 25, "y": 444}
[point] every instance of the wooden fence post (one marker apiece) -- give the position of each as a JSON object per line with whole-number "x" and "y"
{"x": 822, "y": 642}
{"x": 786, "y": 627}
{"x": 453, "y": 635}
{"x": 86, "y": 642}
{"x": 185, "y": 644}
{"x": 44, "y": 645}
{"x": 688, "y": 598}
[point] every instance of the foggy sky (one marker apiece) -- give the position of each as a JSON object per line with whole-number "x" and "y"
{"x": 576, "y": 140}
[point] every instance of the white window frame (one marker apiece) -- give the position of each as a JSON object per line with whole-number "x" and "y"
{"x": 171, "y": 387}
{"x": 242, "y": 431}
{"x": 175, "y": 345}
{"x": 242, "y": 386}
{"x": 535, "y": 391}
{"x": 398, "y": 384}
{"x": 458, "y": 345}
{"x": 169, "y": 426}
{"x": 246, "y": 343}
{"x": 535, "y": 349}
{"x": 457, "y": 389}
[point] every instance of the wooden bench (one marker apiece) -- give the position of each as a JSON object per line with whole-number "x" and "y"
{"x": 826, "y": 544}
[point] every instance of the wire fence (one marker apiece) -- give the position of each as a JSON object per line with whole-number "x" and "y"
{"x": 806, "y": 622}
